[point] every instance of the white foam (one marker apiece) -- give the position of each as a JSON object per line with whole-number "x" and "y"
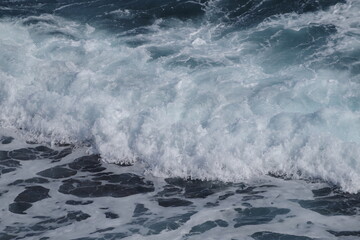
{"x": 228, "y": 108}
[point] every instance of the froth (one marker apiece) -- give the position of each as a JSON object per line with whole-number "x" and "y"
{"x": 188, "y": 102}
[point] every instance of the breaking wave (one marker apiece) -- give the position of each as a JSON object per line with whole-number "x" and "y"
{"x": 219, "y": 89}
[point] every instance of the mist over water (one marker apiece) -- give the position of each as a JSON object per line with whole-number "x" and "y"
{"x": 225, "y": 90}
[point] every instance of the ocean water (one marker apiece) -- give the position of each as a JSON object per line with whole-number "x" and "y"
{"x": 172, "y": 119}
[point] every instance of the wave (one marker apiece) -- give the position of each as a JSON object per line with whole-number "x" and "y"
{"x": 190, "y": 93}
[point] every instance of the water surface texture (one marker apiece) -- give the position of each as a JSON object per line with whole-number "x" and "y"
{"x": 240, "y": 118}
{"x": 65, "y": 193}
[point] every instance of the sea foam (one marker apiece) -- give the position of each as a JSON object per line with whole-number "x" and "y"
{"x": 193, "y": 99}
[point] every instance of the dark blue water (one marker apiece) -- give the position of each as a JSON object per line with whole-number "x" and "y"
{"x": 236, "y": 14}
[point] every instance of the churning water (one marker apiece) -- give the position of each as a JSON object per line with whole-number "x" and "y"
{"x": 228, "y": 90}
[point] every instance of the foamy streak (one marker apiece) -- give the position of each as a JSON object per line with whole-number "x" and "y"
{"x": 187, "y": 102}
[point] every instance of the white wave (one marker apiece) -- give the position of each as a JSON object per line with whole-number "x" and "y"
{"x": 187, "y": 102}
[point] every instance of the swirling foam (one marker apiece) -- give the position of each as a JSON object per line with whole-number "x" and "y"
{"x": 194, "y": 100}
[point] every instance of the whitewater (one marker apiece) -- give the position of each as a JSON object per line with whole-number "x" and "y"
{"x": 214, "y": 90}
{"x": 176, "y": 119}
